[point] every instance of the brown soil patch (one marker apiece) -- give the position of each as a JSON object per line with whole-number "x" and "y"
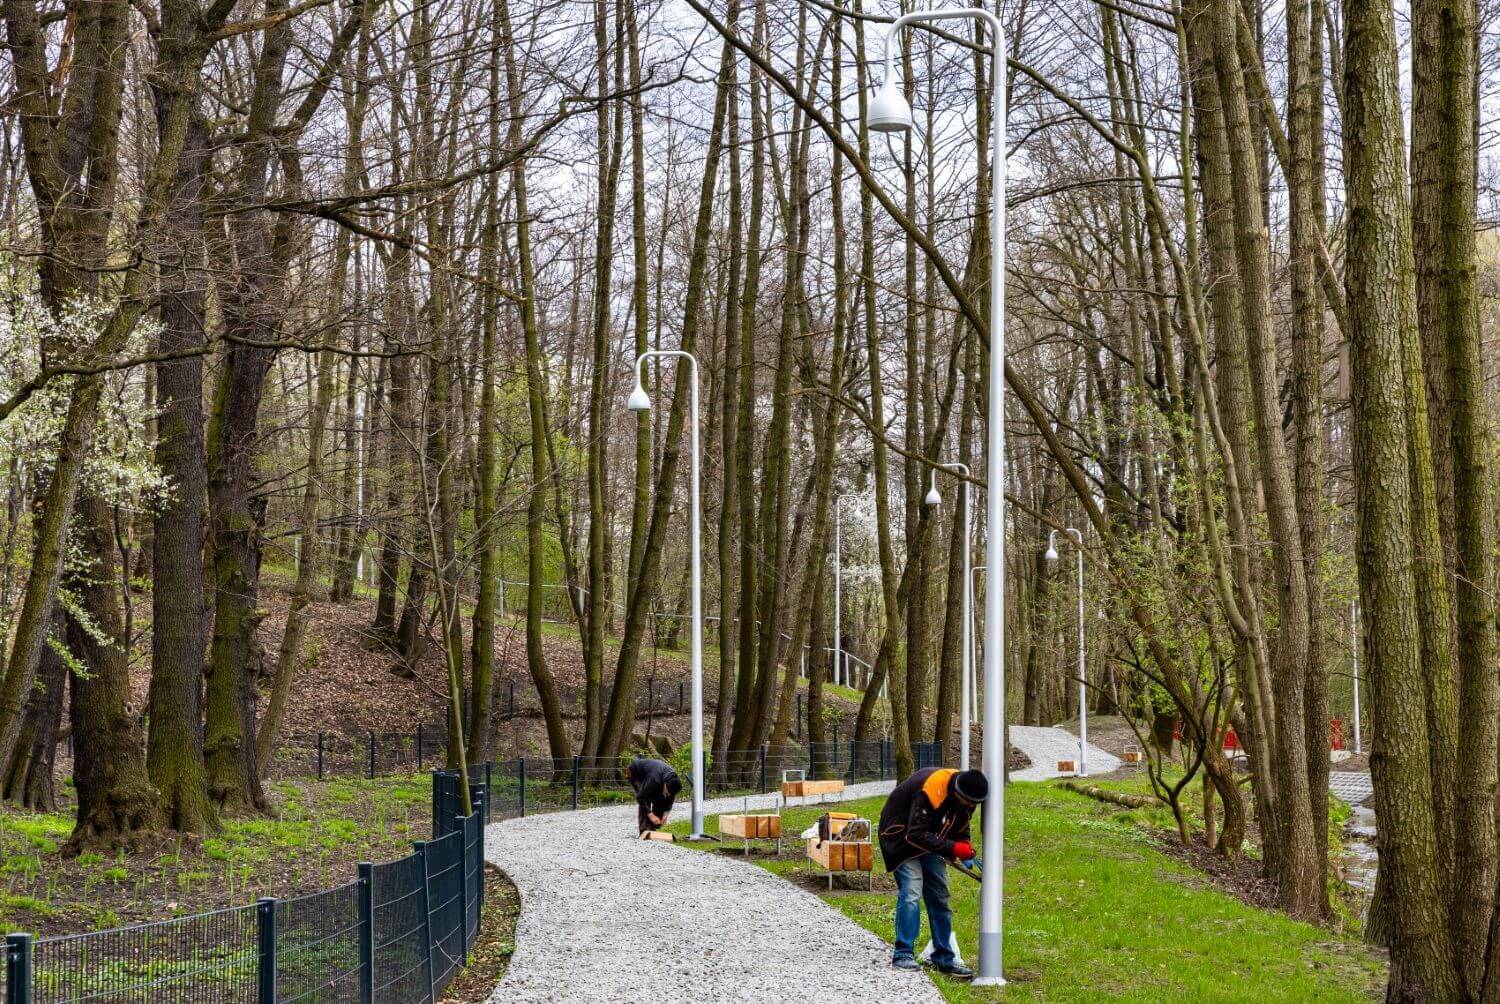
{"x": 1241, "y": 877}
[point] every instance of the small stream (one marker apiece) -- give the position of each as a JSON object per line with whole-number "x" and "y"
{"x": 1359, "y": 855}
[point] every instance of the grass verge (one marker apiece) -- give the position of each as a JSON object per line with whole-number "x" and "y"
{"x": 1096, "y": 911}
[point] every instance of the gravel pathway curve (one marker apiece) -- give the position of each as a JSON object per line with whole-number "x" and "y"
{"x": 609, "y": 918}
{"x": 1047, "y": 745}
{"x": 1354, "y": 787}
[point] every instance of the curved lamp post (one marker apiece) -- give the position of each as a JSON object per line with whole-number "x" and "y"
{"x": 1076, "y": 536}
{"x": 641, "y": 401}
{"x": 890, "y": 112}
{"x": 968, "y": 644}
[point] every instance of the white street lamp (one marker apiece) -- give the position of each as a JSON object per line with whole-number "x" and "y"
{"x": 890, "y": 112}
{"x": 968, "y": 643}
{"x": 839, "y": 665}
{"x": 1083, "y": 706}
{"x": 641, "y": 401}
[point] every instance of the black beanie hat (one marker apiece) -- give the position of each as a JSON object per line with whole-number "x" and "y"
{"x": 971, "y": 784}
{"x": 674, "y": 784}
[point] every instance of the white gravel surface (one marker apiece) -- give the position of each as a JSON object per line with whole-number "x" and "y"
{"x": 610, "y": 918}
{"x": 1047, "y": 745}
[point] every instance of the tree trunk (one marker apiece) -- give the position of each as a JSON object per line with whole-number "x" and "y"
{"x": 1381, "y": 298}
{"x": 117, "y": 806}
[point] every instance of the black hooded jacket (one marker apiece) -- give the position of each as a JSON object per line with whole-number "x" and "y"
{"x": 656, "y": 785}
{"x": 922, "y": 816}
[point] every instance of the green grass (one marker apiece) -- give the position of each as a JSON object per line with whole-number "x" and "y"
{"x": 1095, "y": 911}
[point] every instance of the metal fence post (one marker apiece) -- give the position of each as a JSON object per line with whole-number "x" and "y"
{"x": 372, "y": 754}
{"x": 523, "y": 787}
{"x": 762, "y": 767}
{"x": 680, "y": 702}
{"x": 463, "y": 885}
{"x": 419, "y": 746}
{"x": 512, "y": 698}
{"x": 489, "y": 786}
{"x": 265, "y": 967}
{"x": 320, "y": 756}
{"x": 366, "y": 932}
{"x": 424, "y": 906}
{"x": 577, "y": 766}
{"x": 18, "y": 969}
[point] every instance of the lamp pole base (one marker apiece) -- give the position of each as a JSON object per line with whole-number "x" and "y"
{"x": 987, "y": 981}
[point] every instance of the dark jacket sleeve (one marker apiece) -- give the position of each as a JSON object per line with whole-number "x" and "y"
{"x": 923, "y": 829}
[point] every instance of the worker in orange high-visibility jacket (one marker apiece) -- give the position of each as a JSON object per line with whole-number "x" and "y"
{"x": 924, "y": 825}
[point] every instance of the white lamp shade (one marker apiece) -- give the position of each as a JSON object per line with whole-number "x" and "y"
{"x": 933, "y": 498}
{"x": 1051, "y": 554}
{"x": 890, "y": 111}
{"x": 639, "y": 399}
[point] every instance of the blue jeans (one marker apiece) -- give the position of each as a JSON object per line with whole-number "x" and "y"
{"x": 923, "y": 879}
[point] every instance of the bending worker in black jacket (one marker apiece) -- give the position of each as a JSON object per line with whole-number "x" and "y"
{"x": 656, "y": 786}
{"x": 924, "y": 824}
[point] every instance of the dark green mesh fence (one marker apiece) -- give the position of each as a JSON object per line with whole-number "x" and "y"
{"x": 396, "y": 934}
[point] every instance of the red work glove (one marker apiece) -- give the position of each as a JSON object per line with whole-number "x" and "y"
{"x": 963, "y": 850}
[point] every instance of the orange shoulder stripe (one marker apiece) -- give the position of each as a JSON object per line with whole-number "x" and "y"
{"x": 936, "y": 786}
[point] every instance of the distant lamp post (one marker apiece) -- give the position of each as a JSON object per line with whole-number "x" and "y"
{"x": 840, "y": 666}
{"x": 641, "y": 401}
{"x": 1083, "y": 705}
{"x": 968, "y": 643}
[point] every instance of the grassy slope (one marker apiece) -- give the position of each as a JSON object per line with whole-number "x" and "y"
{"x": 1095, "y": 911}
{"x": 319, "y": 834}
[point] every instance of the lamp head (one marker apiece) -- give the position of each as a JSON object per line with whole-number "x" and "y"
{"x": 890, "y": 111}
{"x": 933, "y": 498}
{"x": 1051, "y": 554}
{"x": 639, "y": 399}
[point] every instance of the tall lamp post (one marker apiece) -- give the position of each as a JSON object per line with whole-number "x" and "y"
{"x": 1083, "y": 708}
{"x": 641, "y": 401}
{"x": 890, "y": 112}
{"x": 839, "y": 666}
{"x": 933, "y": 499}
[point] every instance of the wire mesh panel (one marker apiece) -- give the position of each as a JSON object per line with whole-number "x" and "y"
{"x": 317, "y": 947}
{"x": 928, "y": 754}
{"x": 445, "y": 902}
{"x": 209, "y": 958}
{"x": 473, "y": 877}
{"x": 504, "y": 787}
{"x": 399, "y": 932}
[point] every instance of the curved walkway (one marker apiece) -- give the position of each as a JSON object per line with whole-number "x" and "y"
{"x": 606, "y": 917}
{"x": 1046, "y": 745}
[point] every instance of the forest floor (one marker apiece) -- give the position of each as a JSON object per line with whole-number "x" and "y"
{"x": 353, "y": 682}
{"x": 1100, "y": 907}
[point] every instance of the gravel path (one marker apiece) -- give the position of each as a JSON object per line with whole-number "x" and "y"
{"x": 1353, "y": 787}
{"x": 1045, "y": 746}
{"x": 609, "y": 918}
